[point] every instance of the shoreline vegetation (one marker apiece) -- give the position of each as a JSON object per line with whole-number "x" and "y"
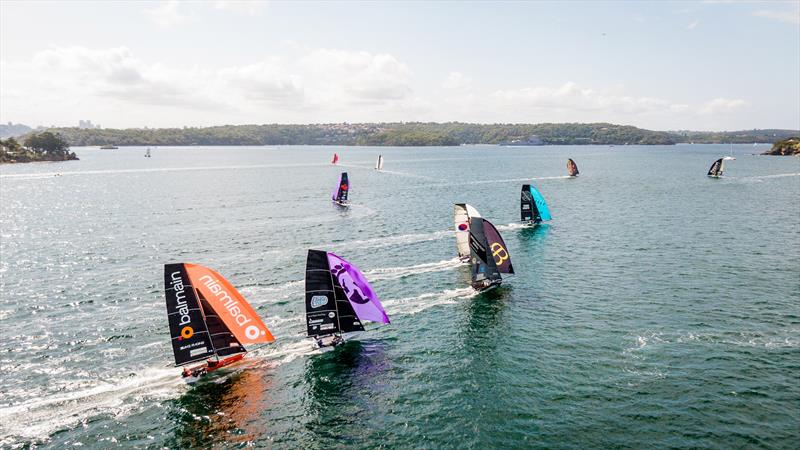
{"x": 45, "y": 146}
{"x": 785, "y": 147}
{"x": 410, "y": 134}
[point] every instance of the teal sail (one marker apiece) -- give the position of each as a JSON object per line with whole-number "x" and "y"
{"x": 541, "y": 205}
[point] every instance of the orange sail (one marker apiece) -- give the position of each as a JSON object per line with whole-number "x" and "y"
{"x": 229, "y": 305}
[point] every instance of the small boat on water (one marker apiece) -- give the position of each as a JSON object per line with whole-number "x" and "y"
{"x": 489, "y": 255}
{"x": 340, "y": 192}
{"x": 462, "y": 213}
{"x": 335, "y": 159}
{"x": 338, "y": 299}
{"x": 718, "y": 167}
{"x": 147, "y": 153}
{"x": 108, "y": 147}
{"x": 209, "y": 320}
{"x": 533, "y": 208}
{"x": 379, "y": 163}
{"x": 572, "y": 168}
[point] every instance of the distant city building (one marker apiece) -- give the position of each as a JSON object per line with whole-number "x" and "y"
{"x": 87, "y": 124}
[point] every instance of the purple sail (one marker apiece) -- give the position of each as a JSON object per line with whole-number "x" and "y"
{"x": 365, "y": 302}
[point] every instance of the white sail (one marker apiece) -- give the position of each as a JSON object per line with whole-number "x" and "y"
{"x": 379, "y": 163}
{"x": 462, "y": 212}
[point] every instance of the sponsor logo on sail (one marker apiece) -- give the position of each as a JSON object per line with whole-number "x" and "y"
{"x": 319, "y": 300}
{"x": 187, "y": 332}
{"x": 500, "y": 254}
{"x": 180, "y": 300}
{"x": 232, "y": 306}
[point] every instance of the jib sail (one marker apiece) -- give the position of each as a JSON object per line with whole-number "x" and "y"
{"x": 572, "y": 168}
{"x": 338, "y": 297}
{"x": 341, "y": 189}
{"x": 483, "y": 263}
{"x": 462, "y": 212}
{"x": 717, "y": 168}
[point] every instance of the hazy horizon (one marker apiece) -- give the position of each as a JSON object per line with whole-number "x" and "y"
{"x": 666, "y": 66}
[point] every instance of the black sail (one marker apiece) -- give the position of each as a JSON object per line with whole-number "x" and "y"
{"x": 716, "y": 168}
{"x": 321, "y": 314}
{"x": 187, "y": 327}
{"x": 344, "y": 188}
{"x": 483, "y": 264}
{"x": 527, "y": 206}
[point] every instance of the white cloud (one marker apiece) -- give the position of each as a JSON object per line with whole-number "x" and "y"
{"x": 247, "y": 7}
{"x": 456, "y": 80}
{"x": 693, "y": 24}
{"x": 166, "y": 14}
{"x": 722, "y": 105}
{"x": 791, "y": 15}
{"x": 324, "y": 83}
{"x": 570, "y": 96}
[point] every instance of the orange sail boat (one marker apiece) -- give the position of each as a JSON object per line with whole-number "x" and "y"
{"x": 209, "y": 320}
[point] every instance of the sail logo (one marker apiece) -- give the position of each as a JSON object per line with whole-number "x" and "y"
{"x": 319, "y": 300}
{"x": 180, "y": 300}
{"x": 232, "y": 306}
{"x": 354, "y": 292}
{"x": 499, "y": 252}
{"x": 463, "y": 227}
{"x": 187, "y": 332}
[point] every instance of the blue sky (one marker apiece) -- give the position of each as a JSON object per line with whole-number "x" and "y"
{"x": 711, "y": 65}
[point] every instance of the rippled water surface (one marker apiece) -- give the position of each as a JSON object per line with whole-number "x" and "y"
{"x": 659, "y": 308}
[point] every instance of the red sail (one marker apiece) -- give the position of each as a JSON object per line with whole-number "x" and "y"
{"x": 229, "y": 305}
{"x": 335, "y": 159}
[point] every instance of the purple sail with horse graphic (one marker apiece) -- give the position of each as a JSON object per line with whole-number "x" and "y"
{"x": 365, "y": 302}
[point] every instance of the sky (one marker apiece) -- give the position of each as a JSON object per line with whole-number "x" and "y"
{"x": 688, "y": 65}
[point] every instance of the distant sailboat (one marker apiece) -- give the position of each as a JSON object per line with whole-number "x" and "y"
{"x": 379, "y": 163}
{"x": 533, "y": 208}
{"x": 572, "y": 168}
{"x": 489, "y": 255}
{"x": 718, "y": 167}
{"x": 341, "y": 191}
{"x": 147, "y": 153}
{"x": 338, "y": 299}
{"x": 335, "y": 159}
{"x": 462, "y": 213}
{"x": 208, "y": 319}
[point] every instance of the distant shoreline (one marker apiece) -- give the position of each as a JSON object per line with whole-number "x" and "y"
{"x": 411, "y": 134}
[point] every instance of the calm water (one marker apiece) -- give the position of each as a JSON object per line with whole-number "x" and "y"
{"x": 660, "y": 308}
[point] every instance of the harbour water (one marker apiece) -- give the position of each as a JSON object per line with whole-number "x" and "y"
{"x": 659, "y": 308}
